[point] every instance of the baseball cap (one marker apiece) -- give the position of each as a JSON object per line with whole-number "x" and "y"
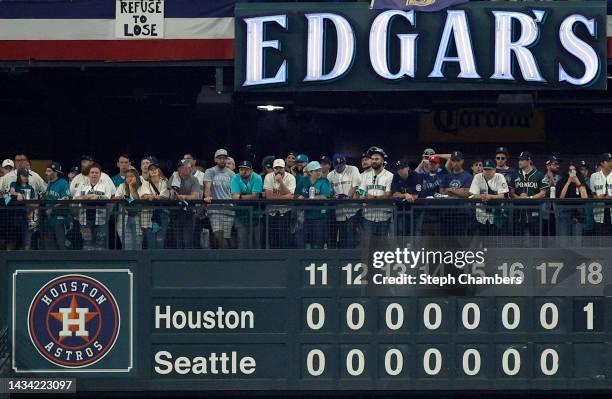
{"x": 152, "y": 160}
{"x": 8, "y": 162}
{"x": 267, "y": 161}
{"x": 501, "y": 150}
{"x": 75, "y": 169}
{"x": 294, "y": 153}
{"x": 429, "y": 152}
{"x": 301, "y": 158}
{"x": 325, "y": 159}
{"x": 365, "y": 155}
{"x": 552, "y": 159}
{"x": 402, "y": 163}
{"x": 245, "y": 164}
{"x": 489, "y": 164}
{"x": 278, "y": 162}
{"x": 525, "y": 156}
{"x": 434, "y": 159}
{"x": 230, "y": 160}
{"x": 221, "y": 153}
{"x": 183, "y": 162}
{"x": 314, "y": 165}
{"x": 456, "y": 156}
{"x": 339, "y": 159}
{"x": 56, "y": 167}
{"x": 606, "y": 157}
{"x": 23, "y": 172}
{"x": 87, "y": 157}
{"x": 582, "y": 164}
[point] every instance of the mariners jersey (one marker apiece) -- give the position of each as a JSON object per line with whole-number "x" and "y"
{"x": 529, "y": 183}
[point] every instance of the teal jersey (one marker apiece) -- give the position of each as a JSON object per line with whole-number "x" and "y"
{"x": 58, "y": 190}
{"x": 322, "y": 187}
{"x": 118, "y": 179}
{"x": 24, "y": 189}
{"x": 253, "y": 186}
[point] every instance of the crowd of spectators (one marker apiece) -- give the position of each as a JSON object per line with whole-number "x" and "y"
{"x": 222, "y": 222}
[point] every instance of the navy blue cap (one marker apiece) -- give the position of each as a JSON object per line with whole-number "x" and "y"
{"x": 501, "y": 150}
{"x": 606, "y": 157}
{"x": 402, "y": 163}
{"x": 456, "y": 156}
{"x": 582, "y": 164}
{"x": 552, "y": 159}
{"x": 245, "y": 164}
{"x": 325, "y": 159}
{"x": 339, "y": 159}
{"x": 87, "y": 157}
{"x": 57, "y": 167}
{"x": 182, "y": 162}
{"x": 525, "y": 156}
{"x": 152, "y": 159}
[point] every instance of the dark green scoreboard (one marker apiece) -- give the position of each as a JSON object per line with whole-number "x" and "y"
{"x": 309, "y": 320}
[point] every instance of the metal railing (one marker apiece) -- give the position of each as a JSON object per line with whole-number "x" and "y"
{"x": 311, "y": 224}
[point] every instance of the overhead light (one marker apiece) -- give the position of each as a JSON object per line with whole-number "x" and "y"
{"x": 270, "y": 108}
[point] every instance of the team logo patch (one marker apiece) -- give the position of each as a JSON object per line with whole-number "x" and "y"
{"x": 74, "y": 321}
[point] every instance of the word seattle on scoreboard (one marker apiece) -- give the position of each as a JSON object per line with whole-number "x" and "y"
{"x": 476, "y": 46}
{"x": 312, "y": 320}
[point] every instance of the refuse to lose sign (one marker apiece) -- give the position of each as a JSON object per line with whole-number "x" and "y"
{"x": 139, "y": 19}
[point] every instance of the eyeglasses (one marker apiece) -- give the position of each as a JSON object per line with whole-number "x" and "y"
{"x": 500, "y": 158}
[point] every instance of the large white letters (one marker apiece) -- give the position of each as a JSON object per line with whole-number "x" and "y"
{"x": 255, "y": 51}
{"x": 579, "y": 49}
{"x": 379, "y": 36}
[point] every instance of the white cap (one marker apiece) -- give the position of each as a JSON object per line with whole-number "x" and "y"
{"x": 230, "y": 160}
{"x": 278, "y": 162}
{"x": 8, "y": 162}
{"x": 220, "y": 152}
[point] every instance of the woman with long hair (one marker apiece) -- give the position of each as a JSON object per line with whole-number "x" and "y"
{"x": 155, "y": 220}
{"x": 571, "y": 218}
{"x": 128, "y": 223}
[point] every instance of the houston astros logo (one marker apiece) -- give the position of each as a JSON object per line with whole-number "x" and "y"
{"x": 73, "y": 321}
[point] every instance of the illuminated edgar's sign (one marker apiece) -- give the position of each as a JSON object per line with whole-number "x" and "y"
{"x": 322, "y": 46}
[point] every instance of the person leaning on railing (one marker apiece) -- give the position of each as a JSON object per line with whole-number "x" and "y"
{"x": 313, "y": 186}
{"x": 25, "y": 219}
{"x": 529, "y": 183}
{"x": 246, "y": 185}
{"x": 601, "y": 186}
{"x": 376, "y": 185}
{"x": 185, "y": 188}
{"x": 92, "y": 216}
{"x": 58, "y": 216}
{"x": 486, "y": 186}
{"x": 571, "y": 219}
{"x": 128, "y": 223}
{"x": 279, "y": 185}
{"x": 154, "y": 222}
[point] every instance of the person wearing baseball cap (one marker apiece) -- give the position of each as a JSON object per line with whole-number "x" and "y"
{"x": 246, "y": 185}
{"x": 345, "y": 180}
{"x": 23, "y": 190}
{"x": 266, "y": 165}
{"x": 54, "y": 230}
{"x": 290, "y": 160}
{"x": 501, "y": 164}
{"x": 8, "y": 165}
{"x": 217, "y": 186}
{"x": 366, "y": 162}
{"x": 432, "y": 176}
{"x": 553, "y": 164}
{"x": 279, "y": 185}
{"x": 528, "y": 183}
{"x": 22, "y": 161}
{"x": 456, "y": 184}
{"x": 313, "y": 186}
{"x": 73, "y": 172}
{"x": 585, "y": 171}
{"x": 601, "y": 187}
{"x": 298, "y": 169}
{"x": 406, "y": 186}
{"x": 486, "y": 186}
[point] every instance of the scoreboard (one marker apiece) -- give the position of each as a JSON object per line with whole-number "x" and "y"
{"x": 311, "y": 320}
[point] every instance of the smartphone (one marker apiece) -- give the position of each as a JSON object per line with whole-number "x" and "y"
{"x": 572, "y": 173}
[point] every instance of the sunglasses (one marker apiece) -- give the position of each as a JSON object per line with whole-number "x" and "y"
{"x": 500, "y": 158}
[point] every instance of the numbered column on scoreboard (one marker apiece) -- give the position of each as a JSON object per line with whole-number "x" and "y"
{"x": 348, "y": 334}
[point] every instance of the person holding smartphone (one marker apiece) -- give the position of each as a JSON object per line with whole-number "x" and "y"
{"x": 571, "y": 218}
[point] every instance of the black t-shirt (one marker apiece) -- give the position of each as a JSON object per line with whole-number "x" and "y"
{"x": 572, "y": 190}
{"x": 411, "y": 185}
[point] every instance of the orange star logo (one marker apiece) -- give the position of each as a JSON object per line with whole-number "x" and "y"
{"x": 73, "y": 315}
